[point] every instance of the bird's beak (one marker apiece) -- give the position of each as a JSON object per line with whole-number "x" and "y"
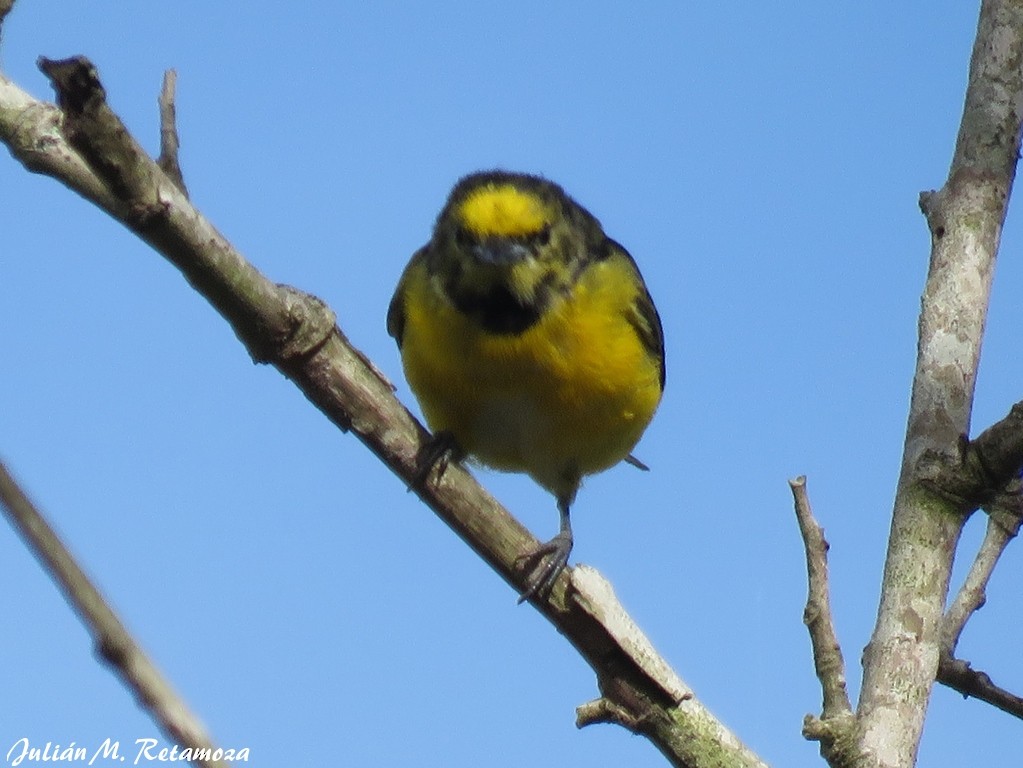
{"x": 500, "y": 251}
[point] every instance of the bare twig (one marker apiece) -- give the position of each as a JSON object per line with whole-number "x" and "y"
{"x": 297, "y": 333}
{"x": 827, "y": 653}
{"x": 169, "y": 143}
{"x": 973, "y": 593}
{"x": 960, "y": 676}
{"x": 1002, "y": 527}
{"x": 113, "y": 642}
{"x": 605, "y": 711}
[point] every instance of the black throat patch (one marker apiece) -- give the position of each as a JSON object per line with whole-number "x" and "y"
{"x": 498, "y": 311}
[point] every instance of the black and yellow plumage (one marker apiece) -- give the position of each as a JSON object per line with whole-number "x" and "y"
{"x": 530, "y": 340}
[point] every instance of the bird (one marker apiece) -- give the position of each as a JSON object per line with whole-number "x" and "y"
{"x": 531, "y": 342}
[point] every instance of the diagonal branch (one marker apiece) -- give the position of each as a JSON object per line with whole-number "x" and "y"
{"x": 973, "y": 593}
{"x": 960, "y": 676}
{"x": 114, "y": 644}
{"x": 85, "y": 146}
{"x": 1003, "y": 525}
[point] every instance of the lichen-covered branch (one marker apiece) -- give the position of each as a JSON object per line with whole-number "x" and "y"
{"x": 965, "y": 220}
{"x": 984, "y": 472}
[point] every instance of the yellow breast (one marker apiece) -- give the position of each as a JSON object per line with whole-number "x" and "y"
{"x": 571, "y": 395}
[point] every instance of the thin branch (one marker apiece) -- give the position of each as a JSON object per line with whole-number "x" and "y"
{"x": 958, "y": 674}
{"x": 169, "y": 143}
{"x": 827, "y": 653}
{"x": 114, "y": 644}
{"x": 973, "y": 593}
{"x": 297, "y": 333}
{"x": 605, "y": 711}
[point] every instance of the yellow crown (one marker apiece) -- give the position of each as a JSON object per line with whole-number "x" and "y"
{"x": 503, "y": 210}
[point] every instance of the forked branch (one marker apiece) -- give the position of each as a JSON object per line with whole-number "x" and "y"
{"x": 1005, "y": 515}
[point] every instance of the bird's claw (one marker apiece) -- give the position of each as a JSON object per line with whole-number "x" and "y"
{"x": 439, "y": 451}
{"x": 545, "y": 564}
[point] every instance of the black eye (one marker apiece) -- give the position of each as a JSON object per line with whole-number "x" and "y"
{"x": 543, "y": 236}
{"x": 463, "y": 237}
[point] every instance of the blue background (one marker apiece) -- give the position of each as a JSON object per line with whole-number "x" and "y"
{"x": 761, "y": 162}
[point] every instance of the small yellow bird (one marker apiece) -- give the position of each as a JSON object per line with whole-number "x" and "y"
{"x": 531, "y": 342}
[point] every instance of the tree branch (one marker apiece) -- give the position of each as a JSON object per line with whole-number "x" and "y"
{"x": 984, "y": 473}
{"x": 835, "y": 728}
{"x": 999, "y": 448}
{"x": 817, "y": 616}
{"x": 981, "y": 471}
{"x": 956, "y": 673}
{"x": 965, "y": 219}
{"x": 960, "y": 676}
{"x": 85, "y": 146}
{"x": 169, "y": 143}
{"x": 973, "y": 593}
{"x": 114, "y": 644}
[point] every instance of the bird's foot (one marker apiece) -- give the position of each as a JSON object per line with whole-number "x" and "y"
{"x": 545, "y": 564}
{"x": 439, "y": 451}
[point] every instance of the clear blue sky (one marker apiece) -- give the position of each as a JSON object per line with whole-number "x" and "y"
{"x": 762, "y": 163}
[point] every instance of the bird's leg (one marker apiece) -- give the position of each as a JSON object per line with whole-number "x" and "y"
{"x": 547, "y": 561}
{"x": 438, "y": 451}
